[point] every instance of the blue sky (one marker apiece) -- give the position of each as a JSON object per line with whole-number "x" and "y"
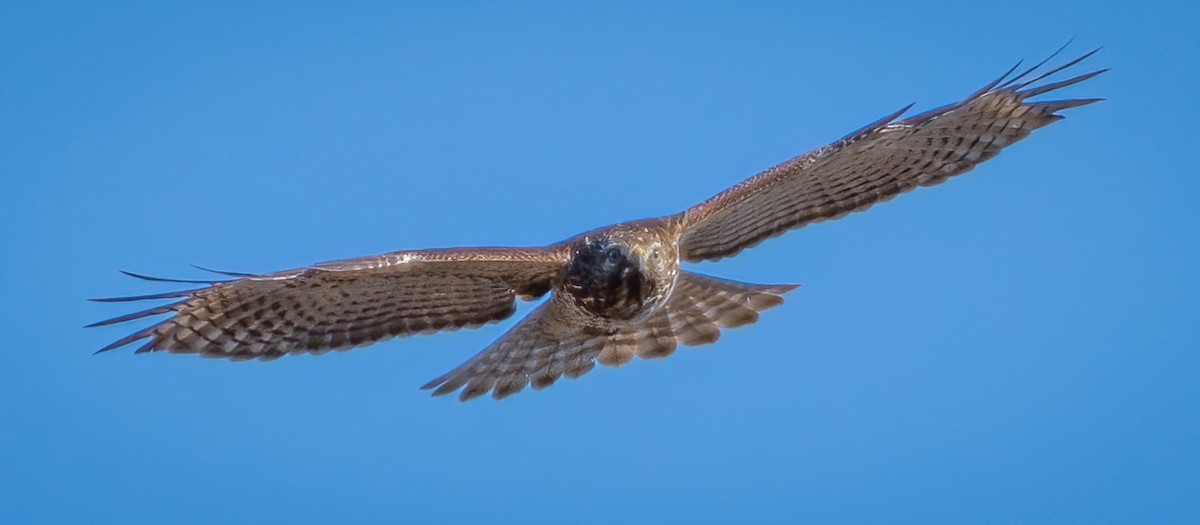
{"x": 1017, "y": 345}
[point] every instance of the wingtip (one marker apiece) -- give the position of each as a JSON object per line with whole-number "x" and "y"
{"x": 1054, "y": 106}
{"x": 169, "y": 280}
{"x": 149, "y": 297}
{"x": 780, "y": 289}
{"x": 109, "y": 348}
{"x": 112, "y": 346}
{"x": 142, "y": 276}
{"x": 148, "y": 331}
{"x": 1012, "y": 82}
{"x": 1035, "y": 91}
{"x": 467, "y": 394}
{"x": 1069, "y": 64}
{"x": 238, "y": 275}
{"x": 149, "y": 312}
{"x": 990, "y": 85}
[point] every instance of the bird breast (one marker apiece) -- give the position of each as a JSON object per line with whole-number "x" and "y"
{"x": 605, "y": 279}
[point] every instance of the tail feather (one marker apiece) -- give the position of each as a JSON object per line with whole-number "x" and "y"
{"x": 548, "y": 344}
{"x": 701, "y": 306}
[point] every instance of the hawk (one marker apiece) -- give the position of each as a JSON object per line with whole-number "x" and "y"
{"x": 615, "y": 292}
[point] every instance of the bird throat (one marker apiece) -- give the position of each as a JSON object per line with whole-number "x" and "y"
{"x": 605, "y": 280}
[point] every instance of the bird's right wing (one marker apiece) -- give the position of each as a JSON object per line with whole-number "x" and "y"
{"x": 343, "y": 304}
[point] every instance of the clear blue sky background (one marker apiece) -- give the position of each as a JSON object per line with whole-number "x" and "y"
{"x": 1017, "y": 345}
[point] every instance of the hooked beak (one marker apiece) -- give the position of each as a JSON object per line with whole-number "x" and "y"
{"x": 642, "y": 252}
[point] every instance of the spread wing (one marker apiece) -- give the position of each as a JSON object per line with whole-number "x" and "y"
{"x": 344, "y": 304}
{"x": 874, "y": 164}
{"x": 553, "y": 342}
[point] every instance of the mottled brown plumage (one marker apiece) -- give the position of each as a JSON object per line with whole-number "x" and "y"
{"x": 615, "y": 292}
{"x": 349, "y": 303}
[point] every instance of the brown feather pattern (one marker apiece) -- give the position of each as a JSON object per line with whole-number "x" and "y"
{"x": 348, "y": 303}
{"x": 343, "y": 304}
{"x": 551, "y": 342}
{"x": 872, "y": 165}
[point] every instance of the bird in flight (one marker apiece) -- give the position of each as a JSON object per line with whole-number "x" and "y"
{"x": 615, "y": 292}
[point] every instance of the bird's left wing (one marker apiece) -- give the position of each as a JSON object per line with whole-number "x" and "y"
{"x": 874, "y": 164}
{"x": 343, "y": 304}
